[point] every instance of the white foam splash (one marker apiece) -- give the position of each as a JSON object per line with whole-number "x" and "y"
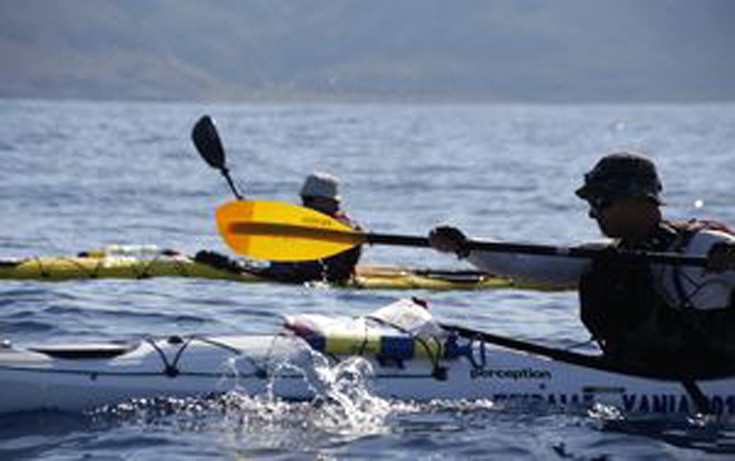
{"x": 343, "y": 404}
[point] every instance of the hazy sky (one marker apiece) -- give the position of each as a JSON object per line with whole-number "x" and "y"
{"x": 465, "y": 50}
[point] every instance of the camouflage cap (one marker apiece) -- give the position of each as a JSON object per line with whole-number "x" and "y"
{"x": 622, "y": 174}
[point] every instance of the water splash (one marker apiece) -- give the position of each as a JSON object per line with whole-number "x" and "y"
{"x": 343, "y": 404}
{"x": 348, "y": 403}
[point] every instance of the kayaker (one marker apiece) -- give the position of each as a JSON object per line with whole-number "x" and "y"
{"x": 320, "y": 192}
{"x": 657, "y": 315}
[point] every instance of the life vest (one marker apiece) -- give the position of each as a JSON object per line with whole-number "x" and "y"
{"x": 336, "y": 268}
{"x": 341, "y": 267}
{"x": 621, "y": 306}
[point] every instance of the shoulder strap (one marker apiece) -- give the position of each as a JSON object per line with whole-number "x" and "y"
{"x": 697, "y": 225}
{"x": 684, "y": 236}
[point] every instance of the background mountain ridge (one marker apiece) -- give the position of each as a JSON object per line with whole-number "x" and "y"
{"x": 413, "y": 50}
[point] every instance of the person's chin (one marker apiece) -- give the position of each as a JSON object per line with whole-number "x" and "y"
{"x": 607, "y": 232}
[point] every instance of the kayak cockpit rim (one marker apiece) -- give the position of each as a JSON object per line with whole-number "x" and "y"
{"x": 86, "y": 351}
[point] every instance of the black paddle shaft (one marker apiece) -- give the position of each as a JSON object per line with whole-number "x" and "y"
{"x": 546, "y": 250}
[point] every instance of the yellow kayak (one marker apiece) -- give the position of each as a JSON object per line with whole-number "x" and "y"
{"x": 167, "y": 263}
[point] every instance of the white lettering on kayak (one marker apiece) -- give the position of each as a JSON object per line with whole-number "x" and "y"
{"x": 509, "y": 373}
{"x": 630, "y": 403}
{"x": 665, "y": 403}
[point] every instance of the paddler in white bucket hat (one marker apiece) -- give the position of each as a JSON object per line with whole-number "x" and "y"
{"x": 320, "y": 192}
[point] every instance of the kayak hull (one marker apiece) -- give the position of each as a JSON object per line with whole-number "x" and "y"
{"x": 76, "y": 378}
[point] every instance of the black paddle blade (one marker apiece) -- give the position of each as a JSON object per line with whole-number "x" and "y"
{"x": 206, "y": 139}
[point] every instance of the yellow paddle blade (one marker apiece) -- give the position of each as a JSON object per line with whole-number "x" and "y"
{"x": 278, "y": 231}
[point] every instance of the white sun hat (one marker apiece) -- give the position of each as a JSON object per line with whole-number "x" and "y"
{"x": 320, "y": 184}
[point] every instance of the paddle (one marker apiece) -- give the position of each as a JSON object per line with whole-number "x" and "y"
{"x": 280, "y": 231}
{"x": 208, "y": 144}
{"x": 689, "y": 384}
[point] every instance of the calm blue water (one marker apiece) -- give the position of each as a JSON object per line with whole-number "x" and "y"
{"x": 79, "y": 176}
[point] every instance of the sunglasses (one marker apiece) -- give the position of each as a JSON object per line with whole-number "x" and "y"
{"x": 599, "y": 203}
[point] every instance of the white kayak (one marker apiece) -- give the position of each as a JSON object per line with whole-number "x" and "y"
{"x": 403, "y": 362}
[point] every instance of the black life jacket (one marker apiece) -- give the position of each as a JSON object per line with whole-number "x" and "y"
{"x": 623, "y": 310}
{"x": 618, "y": 297}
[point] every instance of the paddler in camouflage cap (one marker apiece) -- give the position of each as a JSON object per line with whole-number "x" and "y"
{"x": 665, "y": 317}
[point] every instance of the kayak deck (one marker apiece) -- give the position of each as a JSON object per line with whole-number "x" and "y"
{"x": 285, "y": 367}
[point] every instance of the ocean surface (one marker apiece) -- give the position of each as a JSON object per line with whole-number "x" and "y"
{"x": 84, "y": 175}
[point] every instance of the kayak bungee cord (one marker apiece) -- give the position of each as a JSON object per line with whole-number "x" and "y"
{"x": 439, "y": 372}
{"x": 171, "y": 369}
{"x": 260, "y": 371}
{"x": 148, "y": 267}
{"x": 91, "y": 274}
{"x": 92, "y": 268}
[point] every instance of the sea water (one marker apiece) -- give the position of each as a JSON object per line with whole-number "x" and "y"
{"x": 79, "y": 176}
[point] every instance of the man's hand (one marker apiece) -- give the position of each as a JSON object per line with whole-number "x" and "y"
{"x": 448, "y": 239}
{"x": 721, "y": 257}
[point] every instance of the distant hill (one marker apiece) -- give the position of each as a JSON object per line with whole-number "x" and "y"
{"x": 402, "y": 50}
